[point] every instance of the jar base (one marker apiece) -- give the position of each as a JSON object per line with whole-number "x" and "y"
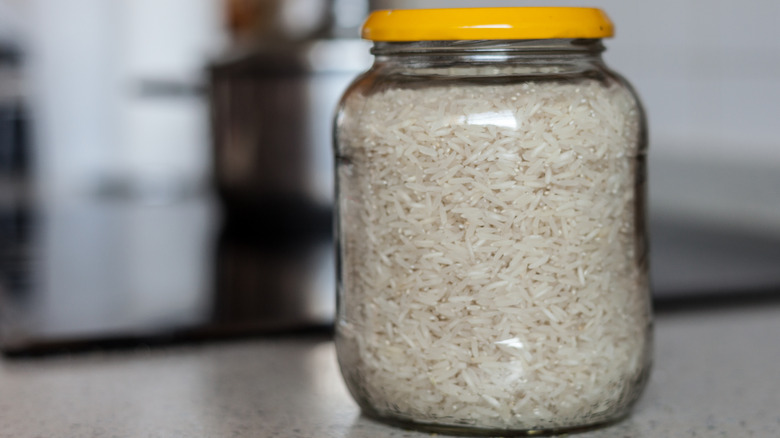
{"x": 466, "y": 430}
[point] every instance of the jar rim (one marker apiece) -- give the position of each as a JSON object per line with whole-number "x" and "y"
{"x": 507, "y": 23}
{"x": 535, "y": 48}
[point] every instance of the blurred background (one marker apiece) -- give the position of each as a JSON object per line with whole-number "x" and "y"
{"x": 165, "y": 167}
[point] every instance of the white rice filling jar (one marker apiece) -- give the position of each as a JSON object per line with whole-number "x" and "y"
{"x": 492, "y": 258}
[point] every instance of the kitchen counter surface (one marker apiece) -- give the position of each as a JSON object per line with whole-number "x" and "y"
{"x": 715, "y": 375}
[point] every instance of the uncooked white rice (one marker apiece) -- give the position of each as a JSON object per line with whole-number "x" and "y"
{"x": 490, "y": 268}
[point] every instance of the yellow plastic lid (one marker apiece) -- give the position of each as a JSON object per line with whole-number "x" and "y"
{"x": 520, "y": 23}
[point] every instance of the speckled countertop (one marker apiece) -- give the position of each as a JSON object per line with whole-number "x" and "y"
{"x": 716, "y": 375}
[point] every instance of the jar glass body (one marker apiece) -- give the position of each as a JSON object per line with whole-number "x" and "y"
{"x": 491, "y": 242}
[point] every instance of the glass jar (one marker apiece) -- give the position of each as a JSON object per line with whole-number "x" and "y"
{"x": 492, "y": 257}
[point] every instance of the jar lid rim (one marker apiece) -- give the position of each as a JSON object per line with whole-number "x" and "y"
{"x": 507, "y": 23}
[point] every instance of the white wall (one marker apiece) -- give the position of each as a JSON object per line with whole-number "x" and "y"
{"x": 73, "y": 85}
{"x": 11, "y": 20}
{"x": 87, "y": 60}
{"x": 164, "y": 140}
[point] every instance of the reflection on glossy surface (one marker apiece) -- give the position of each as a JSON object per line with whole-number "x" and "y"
{"x": 276, "y": 262}
{"x": 693, "y": 259}
{"x": 503, "y": 118}
{"x": 97, "y": 269}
